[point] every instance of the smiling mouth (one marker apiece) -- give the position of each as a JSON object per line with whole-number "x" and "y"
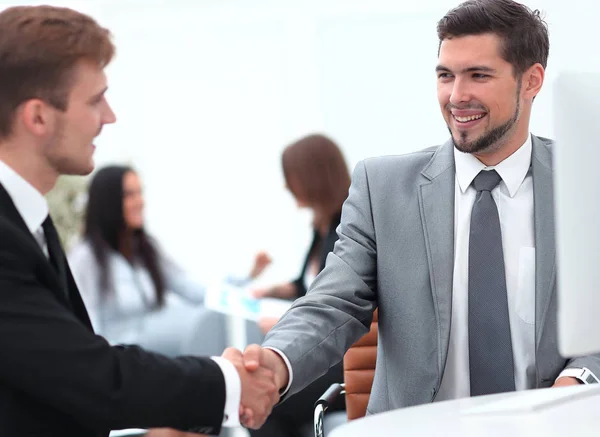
{"x": 469, "y": 118}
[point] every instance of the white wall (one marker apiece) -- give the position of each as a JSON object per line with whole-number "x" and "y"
{"x": 209, "y": 92}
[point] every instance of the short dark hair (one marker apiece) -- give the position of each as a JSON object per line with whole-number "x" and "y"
{"x": 39, "y": 47}
{"x": 523, "y": 31}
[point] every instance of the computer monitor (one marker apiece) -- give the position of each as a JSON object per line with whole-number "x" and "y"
{"x": 576, "y": 109}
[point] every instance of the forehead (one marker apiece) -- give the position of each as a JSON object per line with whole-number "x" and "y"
{"x": 131, "y": 178}
{"x": 88, "y": 78}
{"x": 465, "y": 51}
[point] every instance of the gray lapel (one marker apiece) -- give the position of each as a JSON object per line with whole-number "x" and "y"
{"x": 545, "y": 261}
{"x": 436, "y": 198}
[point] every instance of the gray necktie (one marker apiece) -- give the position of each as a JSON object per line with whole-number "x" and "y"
{"x": 490, "y": 348}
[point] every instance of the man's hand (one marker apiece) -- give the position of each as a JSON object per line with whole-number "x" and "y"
{"x": 566, "y": 381}
{"x": 259, "y": 390}
{"x": 256, "y": 358}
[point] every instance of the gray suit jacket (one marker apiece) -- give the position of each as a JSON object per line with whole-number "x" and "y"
{"x": 396, "y": 252}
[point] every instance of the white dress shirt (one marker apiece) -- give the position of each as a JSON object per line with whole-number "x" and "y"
{"x": 514, "y": 199}
{"x": 33, "y": 208}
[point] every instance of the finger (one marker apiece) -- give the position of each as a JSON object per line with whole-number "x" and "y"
{"x": 252, "y": 357}
{"x": 275, "y": 399}
{"x": 231, "y": 353}
{"x": 245, "y": 414}
{"x": 249, "y": 419}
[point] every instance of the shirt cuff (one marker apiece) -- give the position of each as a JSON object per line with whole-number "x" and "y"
{"x": 289, "y": 368}
{"x": 233, "y": 392}
{"x": 579, "y": 374}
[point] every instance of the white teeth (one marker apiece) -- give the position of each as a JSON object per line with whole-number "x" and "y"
{"x": 469, "y": 118}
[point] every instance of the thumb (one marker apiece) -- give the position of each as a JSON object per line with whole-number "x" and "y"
{"x": 252, "y": 357}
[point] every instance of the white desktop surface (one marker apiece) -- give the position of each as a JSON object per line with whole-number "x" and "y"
{"x": 547, "y": 412}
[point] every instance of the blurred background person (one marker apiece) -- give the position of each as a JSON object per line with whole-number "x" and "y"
{"x": 133, "y": 292}
{"x": 317, "y": 175}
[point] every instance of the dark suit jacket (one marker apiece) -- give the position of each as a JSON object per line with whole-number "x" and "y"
{"x": 57, "y": 378}
{"x": 324, "y": 246}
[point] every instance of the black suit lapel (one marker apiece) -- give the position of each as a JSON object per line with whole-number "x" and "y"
{"x": 61, "y": 284}
{"x": 75, "y": 298}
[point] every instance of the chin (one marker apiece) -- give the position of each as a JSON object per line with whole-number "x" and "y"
{"x": 86, "y": 171}
{"x": 77, "y": 169}
{"x": 136, "y": 226}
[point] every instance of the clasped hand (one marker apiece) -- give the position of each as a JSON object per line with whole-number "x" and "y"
{"x": 262, "y": 374}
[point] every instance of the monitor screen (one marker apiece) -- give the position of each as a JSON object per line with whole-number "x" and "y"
{"x": 576, "y": 117}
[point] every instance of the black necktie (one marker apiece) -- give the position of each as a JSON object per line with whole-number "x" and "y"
{"x": 490, "y": 348}
{"x": 57, "y": 257}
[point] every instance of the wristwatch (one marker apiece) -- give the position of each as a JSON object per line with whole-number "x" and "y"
{"x": 584, "y": 375}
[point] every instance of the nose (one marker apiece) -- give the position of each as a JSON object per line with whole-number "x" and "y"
{"x": 460, "y": 92}
{"x": 109, "y": 115}
{"x": 140, "y": 201}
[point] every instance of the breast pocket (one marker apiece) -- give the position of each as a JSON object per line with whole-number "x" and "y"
{"x": 525, "y": 301}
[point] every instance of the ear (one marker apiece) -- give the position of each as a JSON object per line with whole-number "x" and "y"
{"x": 37, "y": 117}
{"x": 533, "y": 79}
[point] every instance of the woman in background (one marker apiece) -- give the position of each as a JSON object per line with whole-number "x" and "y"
{"x": 126, "y": 282}
{"x": 317, "y": 176}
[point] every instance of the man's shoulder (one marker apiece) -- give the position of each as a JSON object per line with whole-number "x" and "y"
{"x": 542, "y": 151}
{"x": 420, "y": 157}
{"x": 543, "y": 141}
{"x": 17, "y": 248}
{"x": 405, "y": 167}
{"x": 9, "y": 230}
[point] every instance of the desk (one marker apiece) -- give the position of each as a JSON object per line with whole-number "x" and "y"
{"x": 548, "y": 412}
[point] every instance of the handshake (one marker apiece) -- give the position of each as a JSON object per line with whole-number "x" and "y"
{"x": 263, "y": 373}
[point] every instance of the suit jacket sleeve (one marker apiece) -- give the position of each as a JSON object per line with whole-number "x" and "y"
{"x": 592, "y": 362}
{"x": 49, "y": 355}
{"x": 318, "y": 329}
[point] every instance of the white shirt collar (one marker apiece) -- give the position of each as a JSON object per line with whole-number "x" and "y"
{"x": 29, "y": 202}
{"x": 512, "y": 170}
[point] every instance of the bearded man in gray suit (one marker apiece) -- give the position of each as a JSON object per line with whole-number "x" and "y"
{"x": 453, "y": 244}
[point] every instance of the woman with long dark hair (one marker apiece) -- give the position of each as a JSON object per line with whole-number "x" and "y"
{"x": 125, "y": 279}
{"x": 317, "y": 176}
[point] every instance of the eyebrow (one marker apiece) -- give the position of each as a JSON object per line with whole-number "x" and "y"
{"x": 441, "y": 68}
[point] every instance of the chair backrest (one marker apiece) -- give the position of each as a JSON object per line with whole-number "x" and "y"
{"x": 359, "y": 369}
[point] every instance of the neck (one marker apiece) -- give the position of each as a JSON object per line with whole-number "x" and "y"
{"x": 29, "y": 167}
{"x": 126, "y": 244}
{"x": 495, "y": 157}
{"x": 321, "y": 222}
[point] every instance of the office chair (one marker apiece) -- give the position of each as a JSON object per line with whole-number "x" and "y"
{"x": 359, "y": 370}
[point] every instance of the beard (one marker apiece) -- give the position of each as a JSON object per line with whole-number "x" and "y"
{"x": 490, "y": 140}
